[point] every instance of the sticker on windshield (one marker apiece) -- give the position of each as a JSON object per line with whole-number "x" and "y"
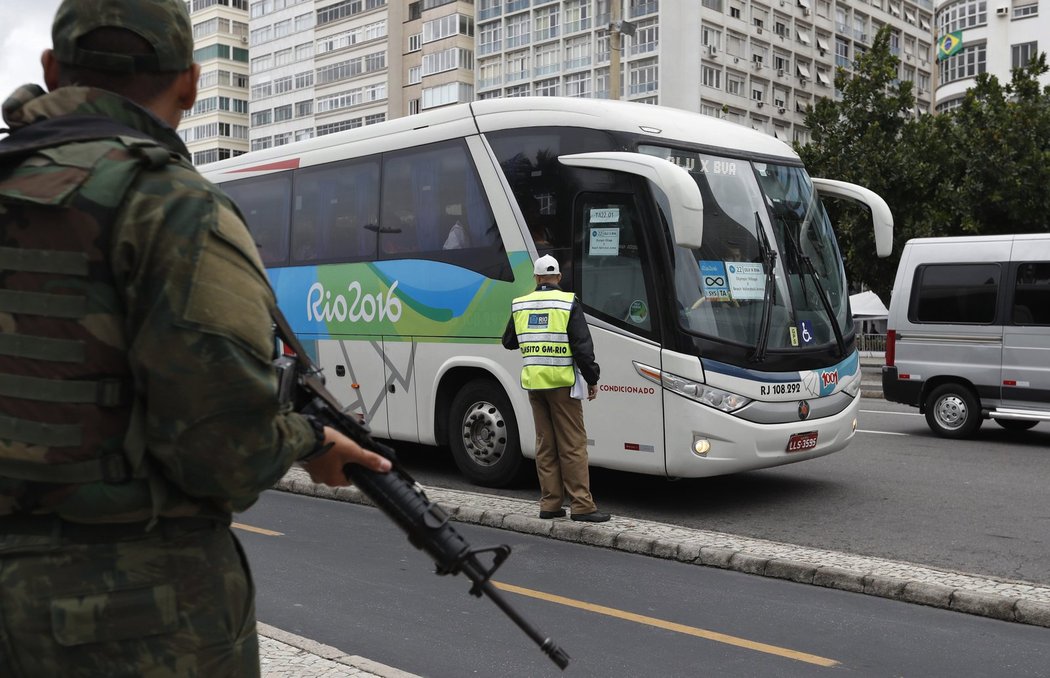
{"x": 639, "y": 312}
{"x": 793, "y": 331}
{"x": 806, "y": 329}
{"x": 605, "y": 242}
{"x": 605, "y": 215}
{"x": 714, "y": 281}
{"x": 746, "y": 280}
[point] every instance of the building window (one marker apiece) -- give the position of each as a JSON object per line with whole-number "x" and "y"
{"x": 962, "y": 15}
{"x": 711, "y": 77}
{"x": 1023, "y": 53}
{"x": 966, "y": 64}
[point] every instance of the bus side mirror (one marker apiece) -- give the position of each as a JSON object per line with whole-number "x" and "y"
{"x": 882, "y": 219}
{"x": 674, "y": 189}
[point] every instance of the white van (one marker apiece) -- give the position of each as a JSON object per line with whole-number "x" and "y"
{"x": 968, "y": 336}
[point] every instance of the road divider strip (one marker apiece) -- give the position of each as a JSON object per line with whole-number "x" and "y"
{"x": 668, "y": 625}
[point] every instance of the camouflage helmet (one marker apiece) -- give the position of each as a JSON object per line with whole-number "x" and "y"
{"x": 164, "y": 24}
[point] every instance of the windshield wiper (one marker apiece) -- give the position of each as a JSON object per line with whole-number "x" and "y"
{"x": 769, "y": 295}
{"x": 825, "y": 302}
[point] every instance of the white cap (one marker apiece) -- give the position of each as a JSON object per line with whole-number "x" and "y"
{"x": 546, "y": 265}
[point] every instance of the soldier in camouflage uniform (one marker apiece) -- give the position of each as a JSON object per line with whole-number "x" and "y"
{"x": 138, "y": 404}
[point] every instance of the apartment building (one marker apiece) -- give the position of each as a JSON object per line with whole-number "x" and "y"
{"x": 217, "y": 127}
{"x": 322, "y": 66}
{"x": 987, "y": 36}
{"x": 757, "y": 62}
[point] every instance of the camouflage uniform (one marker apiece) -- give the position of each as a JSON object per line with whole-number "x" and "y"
{"x": 124, "y": 270}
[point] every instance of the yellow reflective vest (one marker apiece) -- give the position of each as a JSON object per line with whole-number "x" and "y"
{"x": 541, "y": 321}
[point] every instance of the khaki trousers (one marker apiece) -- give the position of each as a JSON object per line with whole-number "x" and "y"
{"x": 561, "y": 450}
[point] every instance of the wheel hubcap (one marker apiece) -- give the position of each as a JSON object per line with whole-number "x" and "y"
{"x": 951, "y": 412}
{"x": 484, "y": 433}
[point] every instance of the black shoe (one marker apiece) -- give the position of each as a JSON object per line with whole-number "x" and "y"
{"x": 547, "y": 515}
{"x": 595, "y": 517}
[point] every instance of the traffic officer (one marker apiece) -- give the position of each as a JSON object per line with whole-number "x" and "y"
{"x": 549, "y": 328}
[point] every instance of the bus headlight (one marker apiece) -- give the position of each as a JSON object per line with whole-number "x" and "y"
{"x": 726, "y": 401}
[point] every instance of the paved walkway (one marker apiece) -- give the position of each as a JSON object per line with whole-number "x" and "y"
{"x": 1014, "y": 601}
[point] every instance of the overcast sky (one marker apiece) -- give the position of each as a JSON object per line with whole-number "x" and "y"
{"x": 25, "y": 31}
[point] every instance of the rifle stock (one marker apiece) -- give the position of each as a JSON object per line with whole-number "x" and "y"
{"x": 398, "y": 495}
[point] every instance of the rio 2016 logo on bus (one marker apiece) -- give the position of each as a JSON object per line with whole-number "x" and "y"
{"x": 322, "y": 305}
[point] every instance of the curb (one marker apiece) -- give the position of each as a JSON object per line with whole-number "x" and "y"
{"x": 331, "y": 653}
{"x": 1022, "y": 602}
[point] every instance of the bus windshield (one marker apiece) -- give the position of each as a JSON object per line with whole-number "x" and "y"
{"x": 769, "y": 274}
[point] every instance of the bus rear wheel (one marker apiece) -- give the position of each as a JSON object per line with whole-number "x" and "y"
{"x": 953, "y": 411}
{"x": 483, "y": 434}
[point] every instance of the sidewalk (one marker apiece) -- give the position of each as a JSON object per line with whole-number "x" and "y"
{"x": 285, "y": 655}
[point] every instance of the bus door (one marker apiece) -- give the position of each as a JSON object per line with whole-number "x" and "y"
{"x": 625, "y": 421}
{"x": 400, "y": 386}
{"x": 355, "y": 373}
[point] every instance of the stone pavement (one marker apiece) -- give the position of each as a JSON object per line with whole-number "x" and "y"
{"x": 285, "y": 655}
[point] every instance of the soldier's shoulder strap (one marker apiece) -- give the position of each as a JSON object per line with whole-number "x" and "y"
{"x": 80, "y": 128}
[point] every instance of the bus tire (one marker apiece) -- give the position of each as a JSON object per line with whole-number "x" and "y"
{"x": 953, "y": 411}
{"x": 483, "y": 434}
{"x": 1016, "y": 424}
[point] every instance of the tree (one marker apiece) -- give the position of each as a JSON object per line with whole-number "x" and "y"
{"x": 864, "y": 138}
{"x": 1001, "y": 137}
{"x": 981, "y": 169}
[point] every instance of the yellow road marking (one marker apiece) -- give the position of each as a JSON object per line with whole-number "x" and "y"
{"x": 670, "y": 626}
{"x": 257, "y": 530}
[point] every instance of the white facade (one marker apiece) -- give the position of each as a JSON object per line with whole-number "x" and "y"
{"x": 217, "y": 126}
{"x": 757, "y": 62}
{"x": 997, "y": 36}
{"x": 320, "y": 66}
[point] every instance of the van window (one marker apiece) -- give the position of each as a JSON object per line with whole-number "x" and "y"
{"x": 962, "y": 294}
{"x": 1031, "y": 304}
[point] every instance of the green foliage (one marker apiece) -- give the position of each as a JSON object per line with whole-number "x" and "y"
{"x": 981, "y": 169}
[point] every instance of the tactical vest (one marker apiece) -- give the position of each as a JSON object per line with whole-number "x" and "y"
{"x": 67, "y": 412}
{"x": 541, "y": 321}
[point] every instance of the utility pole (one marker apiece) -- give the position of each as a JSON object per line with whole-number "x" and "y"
{"x": 615, "y": 41}
{"x": 617, "y": 29}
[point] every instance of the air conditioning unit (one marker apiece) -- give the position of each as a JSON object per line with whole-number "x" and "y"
{"x": 736, "y": 60}
{"x": 758, "y": 103}
{"x": 244, "y": 39}
{"x": 782, "y": 110}
{"x": 712, "y": 50}
{"x": 806, "y": 12}
{"x": 780, "y": 72}
{"x": 758, "y": 30}
{"x": 1002, "y": 11}
{"x": 757, "y": 65}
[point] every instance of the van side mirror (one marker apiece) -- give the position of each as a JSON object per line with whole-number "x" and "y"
{"x": 882, "y": 219}
{"x": 674, "y": 189}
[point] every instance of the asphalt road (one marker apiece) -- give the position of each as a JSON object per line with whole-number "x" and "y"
{"x": 897, "y": 491}
{"x": 342, "y": 574}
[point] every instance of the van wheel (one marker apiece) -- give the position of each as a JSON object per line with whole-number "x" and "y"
{"x": 483, "y": 434}
{"x": 1016, "y": 424}
{"x": 953, "y": 411}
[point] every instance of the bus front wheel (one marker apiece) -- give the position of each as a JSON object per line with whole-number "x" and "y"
{"x": 483, "y": 434}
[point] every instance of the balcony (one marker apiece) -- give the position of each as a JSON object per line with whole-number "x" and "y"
{"x": 643, "y": 8}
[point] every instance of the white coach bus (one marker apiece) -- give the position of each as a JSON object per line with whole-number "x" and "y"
{"x": 708, "y": 269}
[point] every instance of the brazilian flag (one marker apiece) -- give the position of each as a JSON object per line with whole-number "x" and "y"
{"x": 949, "y": 45}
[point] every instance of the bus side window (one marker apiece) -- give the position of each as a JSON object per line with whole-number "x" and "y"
{"x": 336, "y": 212}
{"x": 435, "y": 208}
{"x": 265, "y": 202}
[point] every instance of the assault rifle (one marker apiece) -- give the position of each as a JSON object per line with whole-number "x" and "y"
{"x": 396, "y": 493}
